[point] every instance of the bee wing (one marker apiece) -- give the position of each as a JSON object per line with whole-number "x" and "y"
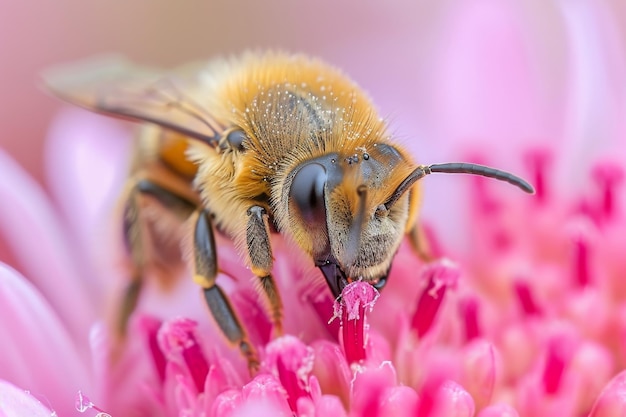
{"x": 116, "y": 87}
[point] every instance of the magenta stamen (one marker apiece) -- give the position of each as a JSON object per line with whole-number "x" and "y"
{"x": 253, "y": 314}
{"x": 428, "y": 396}
{"x": 439, "y": 275}
{"x": 525, "y": 297}
{"x": 322, "y": 304}
{"x": 487, "y": 205}
{"x": 150, "y": 326}
{"x": 177, "y": 340}
{"x": 290, "y": 381}
{"x": 555, "y": 366}
{"x": 585, "y": 208}
{"x": 581, "y": 261}
{"x": 354, "y": 339}
{"x": 501, "y": 240}
{"x": 197, "y": 365}
{"x": 538, "y": 161}
{"x": 469, "y": 312}
{"x": 608, "y": 176}
{"x": 356, "y": 299}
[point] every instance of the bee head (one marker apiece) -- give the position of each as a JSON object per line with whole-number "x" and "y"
{"x": 347, "y": 212}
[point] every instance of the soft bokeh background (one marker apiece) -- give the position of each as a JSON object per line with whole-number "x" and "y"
{"x": 449, "y": 74}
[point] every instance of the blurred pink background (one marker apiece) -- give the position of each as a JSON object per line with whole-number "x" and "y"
{"x": 494, "y": 76}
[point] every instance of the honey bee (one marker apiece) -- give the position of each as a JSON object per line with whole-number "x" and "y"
{"x": 260, "y": 143}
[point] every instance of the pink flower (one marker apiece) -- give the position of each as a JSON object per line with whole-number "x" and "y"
{"x": 523, "y": 315}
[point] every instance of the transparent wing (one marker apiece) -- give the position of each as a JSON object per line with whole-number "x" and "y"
{"x": 114, "y": 86}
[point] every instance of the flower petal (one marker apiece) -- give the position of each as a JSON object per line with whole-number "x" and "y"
{"x": 32, "y": 230}
{"x": 15, "y": 402}
{"x": 612, "y": 401}
{"x": 86, "y": 163}
{"x": 498, "y": 410}
{"x": 41, "y": 356}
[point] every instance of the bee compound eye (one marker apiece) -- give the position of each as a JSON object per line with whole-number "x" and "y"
{"x": 307, "y": 193}
{"x": 235, "y": 139}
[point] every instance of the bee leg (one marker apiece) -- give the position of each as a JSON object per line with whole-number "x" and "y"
{"x": 261, "y": 262}
{"x": 134, "y": 245}
{"x": 419, "y": 243}
{"x": 136, "y": 229}
{"x": 205, "y": 273}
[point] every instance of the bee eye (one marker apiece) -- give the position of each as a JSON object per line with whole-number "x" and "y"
{"x": 307, "y": 192}
{"x": 235, "y": 139}
{"x": 381, "y": 211}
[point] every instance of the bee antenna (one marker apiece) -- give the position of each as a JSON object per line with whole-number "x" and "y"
{"x": 356, "y": 228}
{"x": 457, "y": 168}
{"x": 484, "y": 171}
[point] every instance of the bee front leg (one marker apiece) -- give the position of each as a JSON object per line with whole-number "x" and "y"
{"x": 261, "y": 262}
{"x": 205, "y": 273}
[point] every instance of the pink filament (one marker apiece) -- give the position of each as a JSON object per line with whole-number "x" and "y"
{"x": 151, "y": 327}
{"x": 469, "y": 313}
{"x": 289, "y": 380}
{"x": 581, "y": 261}
{"x": 524, "y": 294}
{"x": 555, "y": 366}
{"x": 608, "y": 176}
{"x": 538, "y": 161}
{"x": 440, "y": 276}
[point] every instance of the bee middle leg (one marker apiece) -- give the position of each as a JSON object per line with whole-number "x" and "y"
{"x": 138, "y": 233}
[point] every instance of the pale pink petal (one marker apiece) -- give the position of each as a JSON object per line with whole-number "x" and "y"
{"x": 319, "y": 405}
{"x": 31, "y": 229}
{"x": 478, "y": 374}
{"x": 452, "y": 400}
{"x": 16, "y": 402}
{"x": 498, "y": 410}
{"x": 260, "y": 409}
{"x": 399, "y": 401}
{"x": 612, "y": 400}
{"x": 226, "y": 404}
{"x": 125, "y": 380}
{"x": 597, "y": 94}
{"x": 331, "y": 369}
{"x": 40, "y": 356}
{"x": 266, "y": 393}
{"x": 369, "y": 388}
{"x": 594, "y": 365}
{"x": 87, "y": 159}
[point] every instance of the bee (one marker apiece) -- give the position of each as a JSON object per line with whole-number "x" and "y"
{"x": 265, "y": 142}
